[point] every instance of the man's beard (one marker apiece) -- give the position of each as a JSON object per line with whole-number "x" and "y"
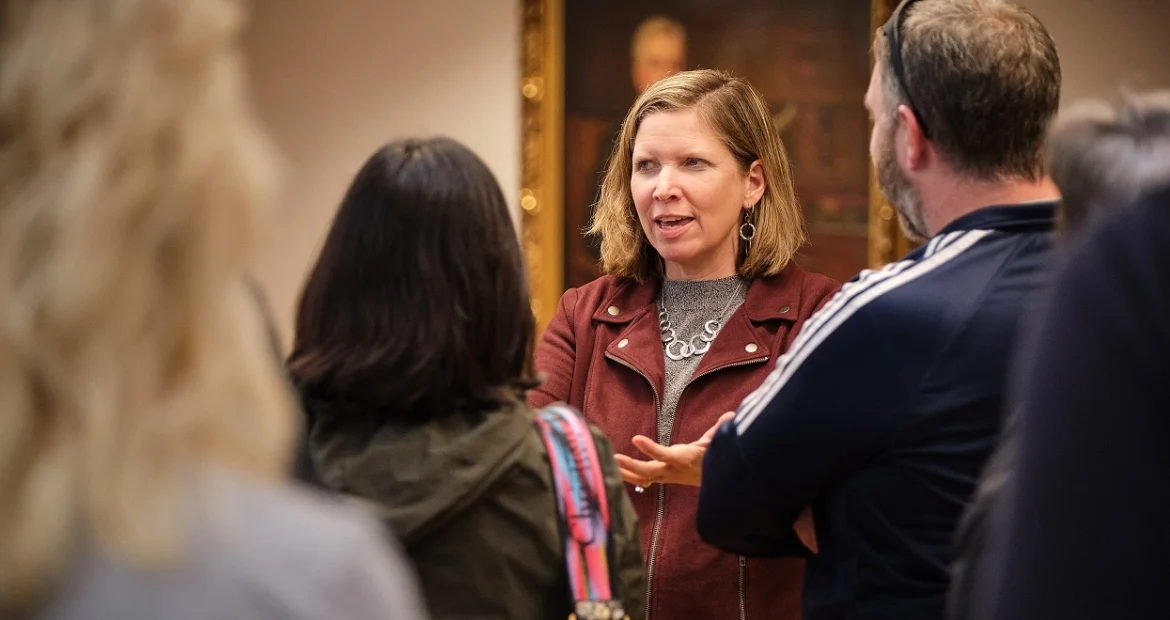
{"x": 898, "y": 190}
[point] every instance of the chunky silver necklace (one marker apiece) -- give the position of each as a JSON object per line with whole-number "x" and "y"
{"x": 699, "y": 343}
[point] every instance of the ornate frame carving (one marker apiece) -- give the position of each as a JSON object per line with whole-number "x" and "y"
{"x": 886, "y": 241}
{"x": 542, "y": 212}
{"x": 541, "y": 187}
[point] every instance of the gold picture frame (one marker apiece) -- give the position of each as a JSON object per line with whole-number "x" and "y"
{"x": 542, "y": 147}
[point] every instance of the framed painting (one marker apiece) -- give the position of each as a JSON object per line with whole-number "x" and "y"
{"x": 585, "y": 61}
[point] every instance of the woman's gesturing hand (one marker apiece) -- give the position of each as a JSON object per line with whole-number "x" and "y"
{"x": 677, "y": 464}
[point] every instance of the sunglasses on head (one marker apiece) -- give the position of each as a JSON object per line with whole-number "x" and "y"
{"x": 893, "y": 32}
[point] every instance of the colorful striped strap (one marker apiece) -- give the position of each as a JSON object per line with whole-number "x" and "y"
{"x": 584, "y": 509}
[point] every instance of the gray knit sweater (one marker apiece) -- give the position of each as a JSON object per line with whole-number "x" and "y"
{"x": 689, "y": 305}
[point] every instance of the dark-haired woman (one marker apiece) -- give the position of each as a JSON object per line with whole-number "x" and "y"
{"x": 412, "y": 355}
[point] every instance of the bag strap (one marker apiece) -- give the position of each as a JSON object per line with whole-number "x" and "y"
{"x": 583, "y": 505}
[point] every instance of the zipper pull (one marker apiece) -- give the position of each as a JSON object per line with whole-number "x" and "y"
{"x": 742, "y": 561}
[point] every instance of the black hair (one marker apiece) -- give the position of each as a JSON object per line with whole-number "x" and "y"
{"x": 418, "y": 304}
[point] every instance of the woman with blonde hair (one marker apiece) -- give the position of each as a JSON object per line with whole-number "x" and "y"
{"x": 144, "y": 426}
{"x": 699, "y": 225}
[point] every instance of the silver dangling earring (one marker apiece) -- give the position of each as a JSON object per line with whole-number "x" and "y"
{"x": 747, "y": 230}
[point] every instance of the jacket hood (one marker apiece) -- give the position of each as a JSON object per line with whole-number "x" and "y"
{"x": 420, "y": 475}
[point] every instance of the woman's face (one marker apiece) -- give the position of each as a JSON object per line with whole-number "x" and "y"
{"x": 690, "y": 192}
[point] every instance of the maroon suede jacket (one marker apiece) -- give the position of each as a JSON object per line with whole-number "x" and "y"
{"x": 602, "y": 353}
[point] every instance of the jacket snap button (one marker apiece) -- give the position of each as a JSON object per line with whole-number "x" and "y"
{"x": 784, "y": 309}
{"x": 623, "y": 343}
{"x": 751, "y": 348}
{"x": 613, "y": 311}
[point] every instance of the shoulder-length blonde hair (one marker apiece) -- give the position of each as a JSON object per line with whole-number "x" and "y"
{"x": 131, "y": 352}
{"x": 737, "y": 113}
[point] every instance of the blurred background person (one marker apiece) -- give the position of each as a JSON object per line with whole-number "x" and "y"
{"x": 657, "y": 49}
{"x": 144, "y": 426}
{"x": 1103, "y": 157}
{"x": 412, "y": 354}
{"x": 698, "y": 226}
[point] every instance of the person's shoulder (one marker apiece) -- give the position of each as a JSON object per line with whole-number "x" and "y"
{"x": 296, "y": 547}
{"x": 601, "y": 288}
{"x": 874, "y": 306}
{"x": 289, "y": 510}
{"x": 794, "y": 277}
{"x": 1140, "y": 230}
{"x": 1122, "y": 263}
{"x": 587, "y": 298}
{"x": 814, "y": 287}
{"x": 819, "y": 285}
{"x": 793, "y": 294}
{"x": 963, "y": 282}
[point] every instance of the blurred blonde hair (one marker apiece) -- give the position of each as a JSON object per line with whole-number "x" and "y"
{"x": 131, "y": 354}
{"x": 735, "y": 111}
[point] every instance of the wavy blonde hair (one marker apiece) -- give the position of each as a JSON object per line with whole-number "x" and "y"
{"x": 131, "y": 354}
{"x": 737, "y": 113}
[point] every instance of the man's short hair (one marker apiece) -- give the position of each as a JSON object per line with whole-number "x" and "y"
{"x": 986, "y": 80}
{"x": 1105, "y": 155}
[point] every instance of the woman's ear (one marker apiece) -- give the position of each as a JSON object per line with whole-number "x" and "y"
{"x": 756, "y": 184}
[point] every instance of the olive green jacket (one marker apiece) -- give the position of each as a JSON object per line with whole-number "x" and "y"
{"x": 472, "y": 502}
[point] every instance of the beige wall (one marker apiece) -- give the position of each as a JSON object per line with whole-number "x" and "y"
{"x": 1105, "y": 45}
{"x": 336, "y": 78}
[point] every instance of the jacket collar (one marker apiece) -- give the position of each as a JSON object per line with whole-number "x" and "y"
{"x": 741, "y": 341}
{"x": 1037, "y": 216}
{"x": 768, "y": 298}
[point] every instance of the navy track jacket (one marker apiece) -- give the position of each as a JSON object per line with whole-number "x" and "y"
{"x": 881, "y": 416}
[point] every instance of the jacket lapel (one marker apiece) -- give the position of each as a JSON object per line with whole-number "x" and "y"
{"x": 638, "y": 345}
{"x": 743, "y": 340}
{"x": 736, "y": 344}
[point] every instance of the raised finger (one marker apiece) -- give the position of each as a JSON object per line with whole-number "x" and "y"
{"x": 654, "y": 449}
{"x": 644, "y": 469}
{"x": 631, "y": 477}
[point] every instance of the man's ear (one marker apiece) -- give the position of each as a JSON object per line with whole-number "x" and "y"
{"x": 914, "y": 139}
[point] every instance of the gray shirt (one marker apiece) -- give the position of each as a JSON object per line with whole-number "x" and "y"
{"x": 689, "y": 305}
{"x": 257, "y": 552}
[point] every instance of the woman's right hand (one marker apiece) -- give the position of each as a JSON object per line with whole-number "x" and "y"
{"x": 677, "y": 464}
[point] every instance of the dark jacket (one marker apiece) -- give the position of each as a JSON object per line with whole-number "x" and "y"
{"x": 882, "y": 417}
{"x": 473, "y": 504}
{"x": 979, "y": 538}
{"x": 1086, "y": 521}
{"x": 602, "y": 353}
